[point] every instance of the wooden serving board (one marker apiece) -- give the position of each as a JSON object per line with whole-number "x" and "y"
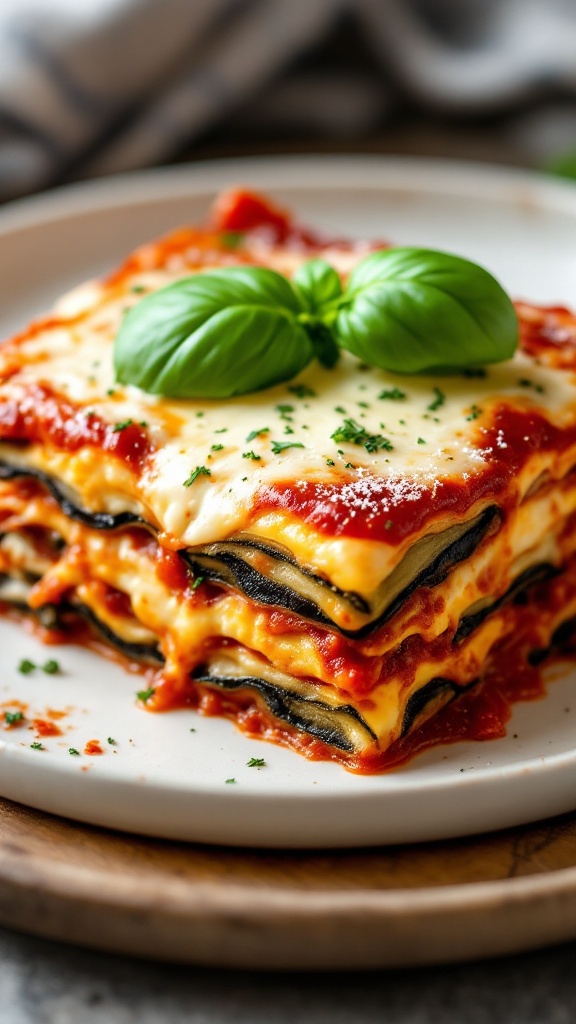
{"x": 405, "y": 905}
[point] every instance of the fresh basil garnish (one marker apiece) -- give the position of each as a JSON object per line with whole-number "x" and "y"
{"x": 213, "y": 335}
{"x": 410, "y": 310}
{"x": 233, "y": 330}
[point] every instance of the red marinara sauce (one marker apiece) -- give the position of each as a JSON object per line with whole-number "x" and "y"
{"x": 396, "y": 507}
{"x": 93, "y": 747}
{"x": 41, "y": 416}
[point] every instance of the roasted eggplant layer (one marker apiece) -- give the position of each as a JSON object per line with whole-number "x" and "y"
{"x": 268, "y": 574}
{"x": 67, "y": 502}
{"x": 15, "y": 592}
{"x": 280, "y": 581}
{"x": 304, "y": 704}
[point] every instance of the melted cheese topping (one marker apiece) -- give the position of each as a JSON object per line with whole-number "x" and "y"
{"x": 434, "y": 426}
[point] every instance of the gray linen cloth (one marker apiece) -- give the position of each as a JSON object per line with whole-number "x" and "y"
{"x": 97, "y": 86}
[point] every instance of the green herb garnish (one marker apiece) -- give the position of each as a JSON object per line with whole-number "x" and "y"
{"x": 36, "y": 745}
{"x": 256, "y": 433}
{"x": 121, "y": 426}
{"x": 475, "y": 412}
{"x": 438, "y": 401}
{"x": 238, "y": 329}
{"x": 199, "y": 471}
{"x": 197, "y": 582}
{"x": 145, "y": 695}
{"x": 256, "y": 762}
{"x": 251, "y": 455}
{"x": 26, "y": 667}
{"x": 51, "y": 667}
{"x": 302, "y": 391}
{"x": 73, "y": 751}
{"x": 11, "y": 717}
{"x": 281, "y": 446}
{"x": 355, "y": 433}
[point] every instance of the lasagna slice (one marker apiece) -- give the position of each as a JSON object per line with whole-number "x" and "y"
{"x": 329, "y": 561}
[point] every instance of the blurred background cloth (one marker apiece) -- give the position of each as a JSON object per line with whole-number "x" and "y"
{"x": 90, "y": 87}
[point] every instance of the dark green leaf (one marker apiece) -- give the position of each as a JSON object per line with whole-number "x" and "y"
{"x": 214, "y": 335}
{"x": 409, "y": 310}
{"x": 318, "y": 284}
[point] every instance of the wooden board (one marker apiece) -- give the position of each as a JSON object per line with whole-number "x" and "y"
{"x": 432, "y": 903}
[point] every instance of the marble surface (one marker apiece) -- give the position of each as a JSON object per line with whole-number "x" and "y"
{"x": 49, "y": 983}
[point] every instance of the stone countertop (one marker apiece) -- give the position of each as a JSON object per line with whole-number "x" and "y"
{"x": 42, "y": 982}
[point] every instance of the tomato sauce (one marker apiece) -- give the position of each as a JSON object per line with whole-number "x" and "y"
{"x": 93, "y": 747}
{"x": 393, "y": 509}
{"x": 43, "y": 417}
{"x": 43, "y": 727}
{"x": 239, "y": 210}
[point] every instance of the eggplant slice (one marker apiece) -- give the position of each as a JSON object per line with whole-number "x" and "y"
{"x": 339, "y": 726}
{"x": 268, "y": 574}
{"x": 475, "y": 616}
{"x": 59, "y": 491}
{"x": 285, "y": 584}
{"x": 15, "y": 592}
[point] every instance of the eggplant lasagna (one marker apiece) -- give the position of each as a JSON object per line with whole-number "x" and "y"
{"x": 328, "y": 594}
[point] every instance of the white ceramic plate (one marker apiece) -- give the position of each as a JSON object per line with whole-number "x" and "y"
{"x": 165, "y": 775}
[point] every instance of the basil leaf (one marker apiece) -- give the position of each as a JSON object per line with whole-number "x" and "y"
{"x": 409, "y": 310}
{"x": 214, "y": 335}
{"x": 318, "y": 285}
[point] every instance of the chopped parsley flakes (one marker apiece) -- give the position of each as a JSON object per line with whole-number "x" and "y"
{"x": 438, "y": 401}
{"x": 73, "y": 751}
{"x": 37, "y": 746}
{"x": 285, "y": 411}
{"x": 475, "y": 412}
{"x": 251, "y": 455}
{"x": 394, "y": 394}
{"x": 256, "y": 433}
{"x": 26, "y": 667}
{"x": 524, "y": 382}
{"x": 216, "y": 448}
{"x": 121, "y": 426}
{"x": 281, "y": 446}
{"x": 256, "y": 762}
{"x": 11, "y": 717}
{"x": 145, "y": 695}
{"x": 356, "y": 434}
{"x": 302, "y": 391}
{"x": 199, "y": 471}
